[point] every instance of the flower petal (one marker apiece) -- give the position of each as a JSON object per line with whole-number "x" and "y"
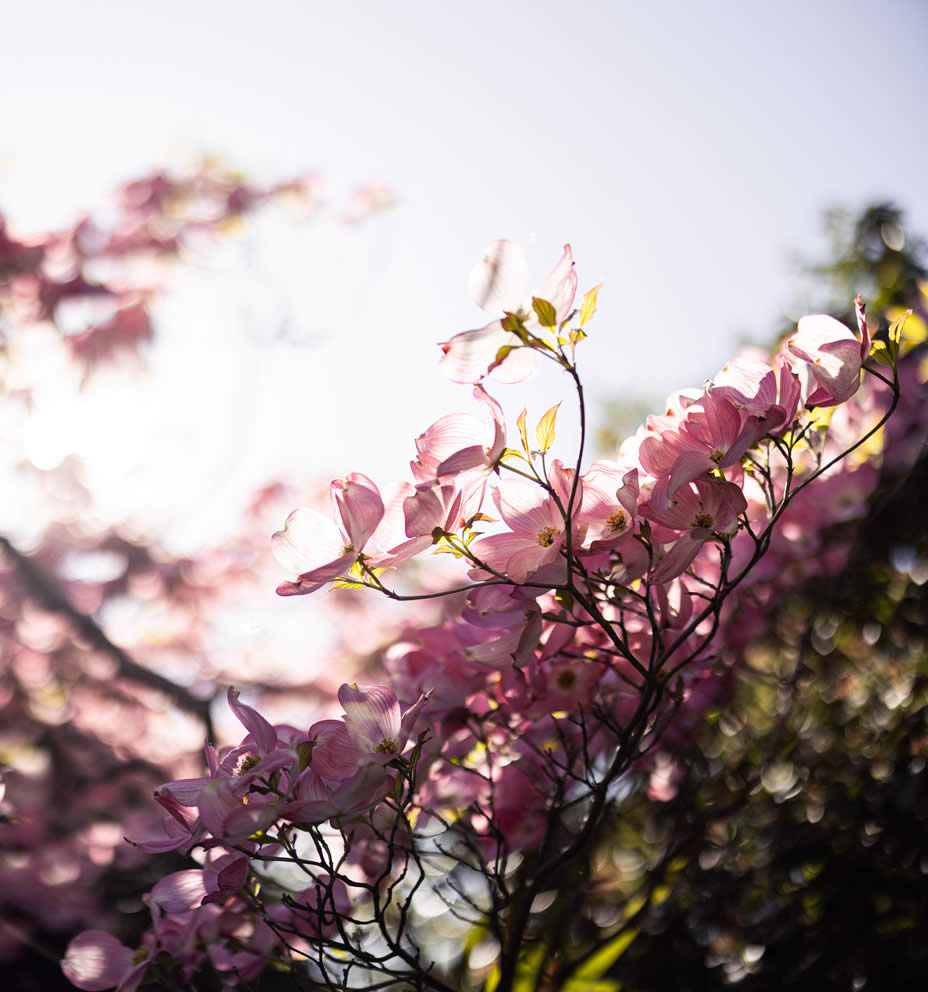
{"x": 264, "y": 734}
{"x": 181, "y": 890}
{"x": 307, "y": 541}
{"x": 500, "y": 280}
{"x": 468, "y": 356}
{"x": 371, "y": 712}
{"x": 560, "y": 285}
{"x": 360, "y": 506}
{"x": 95, "y": 961}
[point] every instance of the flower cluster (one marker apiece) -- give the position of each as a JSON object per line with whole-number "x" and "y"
{"x": 596, "y": 616}
{"x": 275, "y": 779}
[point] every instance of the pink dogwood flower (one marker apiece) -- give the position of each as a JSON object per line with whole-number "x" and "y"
{"x": 713, "y": 434}
{"x": 220, "y": 796}
{"x": 609, "y": 511}
{"x": 536, "y": 526}
{"x": 500, "y": 282}
{"x": 318, "y": 550}
{"x": 760, "y": 391}
{"x": 700, "y": 509}
{"x": 429, "y": 507}
{"x": 830, "y": 357}
{"x": 371, "y": 731}
{"x": 460, "y": 443}
{"x": 319, "y": 799}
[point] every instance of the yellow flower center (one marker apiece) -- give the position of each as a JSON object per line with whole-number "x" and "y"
{"x": 387, "y": 746}
{"x": 702, "y": 519}
{"x": 616, "y": 521}
{"x": 247, "y": 763}
{"x": 547, "y": 535}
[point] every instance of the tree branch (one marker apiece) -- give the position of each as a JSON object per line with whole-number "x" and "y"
{"x": 42, "y": 588}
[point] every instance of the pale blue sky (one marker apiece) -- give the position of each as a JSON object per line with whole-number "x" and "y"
{"x": 685, "y": 150}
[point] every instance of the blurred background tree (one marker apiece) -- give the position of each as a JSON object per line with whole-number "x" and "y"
{"x": 131, "y": 537}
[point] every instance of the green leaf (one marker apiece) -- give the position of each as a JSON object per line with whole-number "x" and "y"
{"x": 544, "y": 432}
{"x": 513, "y": 322}
{"x": 529, "y": 969}
{"x": 587, "y": 976}
{"x": 443, "y": 547}
{"x": 502, "y": 354}
{"x": 588, "y": 306}
{"x": 304, "y": 751}
{"x": 881, "y": 353}
{"x": 346, "y": 584}
{"x": 895, "y": 328}
{"x": 416, "y": 754}
{"x": 592, "y": 985}
{"x": 546, "y": 314}
{"x": 520, "y": 423}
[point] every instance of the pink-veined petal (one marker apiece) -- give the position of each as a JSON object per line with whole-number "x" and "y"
{"x": 168, "y": 835}
{"x": 450, "y": 434}
{"x": 504, "y": 645}
{"x": 402, "y": 552}
{"x": 560, "y": 285}
{"x": 391, "y": 530}
{"x": 499, "y": 423}
{"x": 228, "y": 818}
{"x": 181, "y": 890}
{"x": 748, "y": 383}
{"x": 360, "y": 506}
{"x": 529, "y": 560}
{"x": 229, "y": 879}
{"x": 689, "y": 466}
{"x": 264, "y": 734}
{"x": 496, "y": 549}
{"x": 248, "y": 820}
{"x": 524, "y": 507}
{"x": 500, "y": 280}
{"x": 424, "y": 511}
{"x": 832, "y": 354}
{"x": 366, "y": 786}
{"x": 517, "y": 366}
{"x": 309, "y": 811}
{"x": 468, "y": 356}
{"x": 464, "y": 460}
{"x": 860, "y": 311}
{"x": 681, "y": 555}
{"x": 336, "y": 753}
{"x": 185, "y": 791}
{"x": 816, "y": 330}
{"x": 317, "y": 578}
{"x": 308, "y": 540}
{"x": 371, "y": 712}
{"x": 409, "y": 718}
